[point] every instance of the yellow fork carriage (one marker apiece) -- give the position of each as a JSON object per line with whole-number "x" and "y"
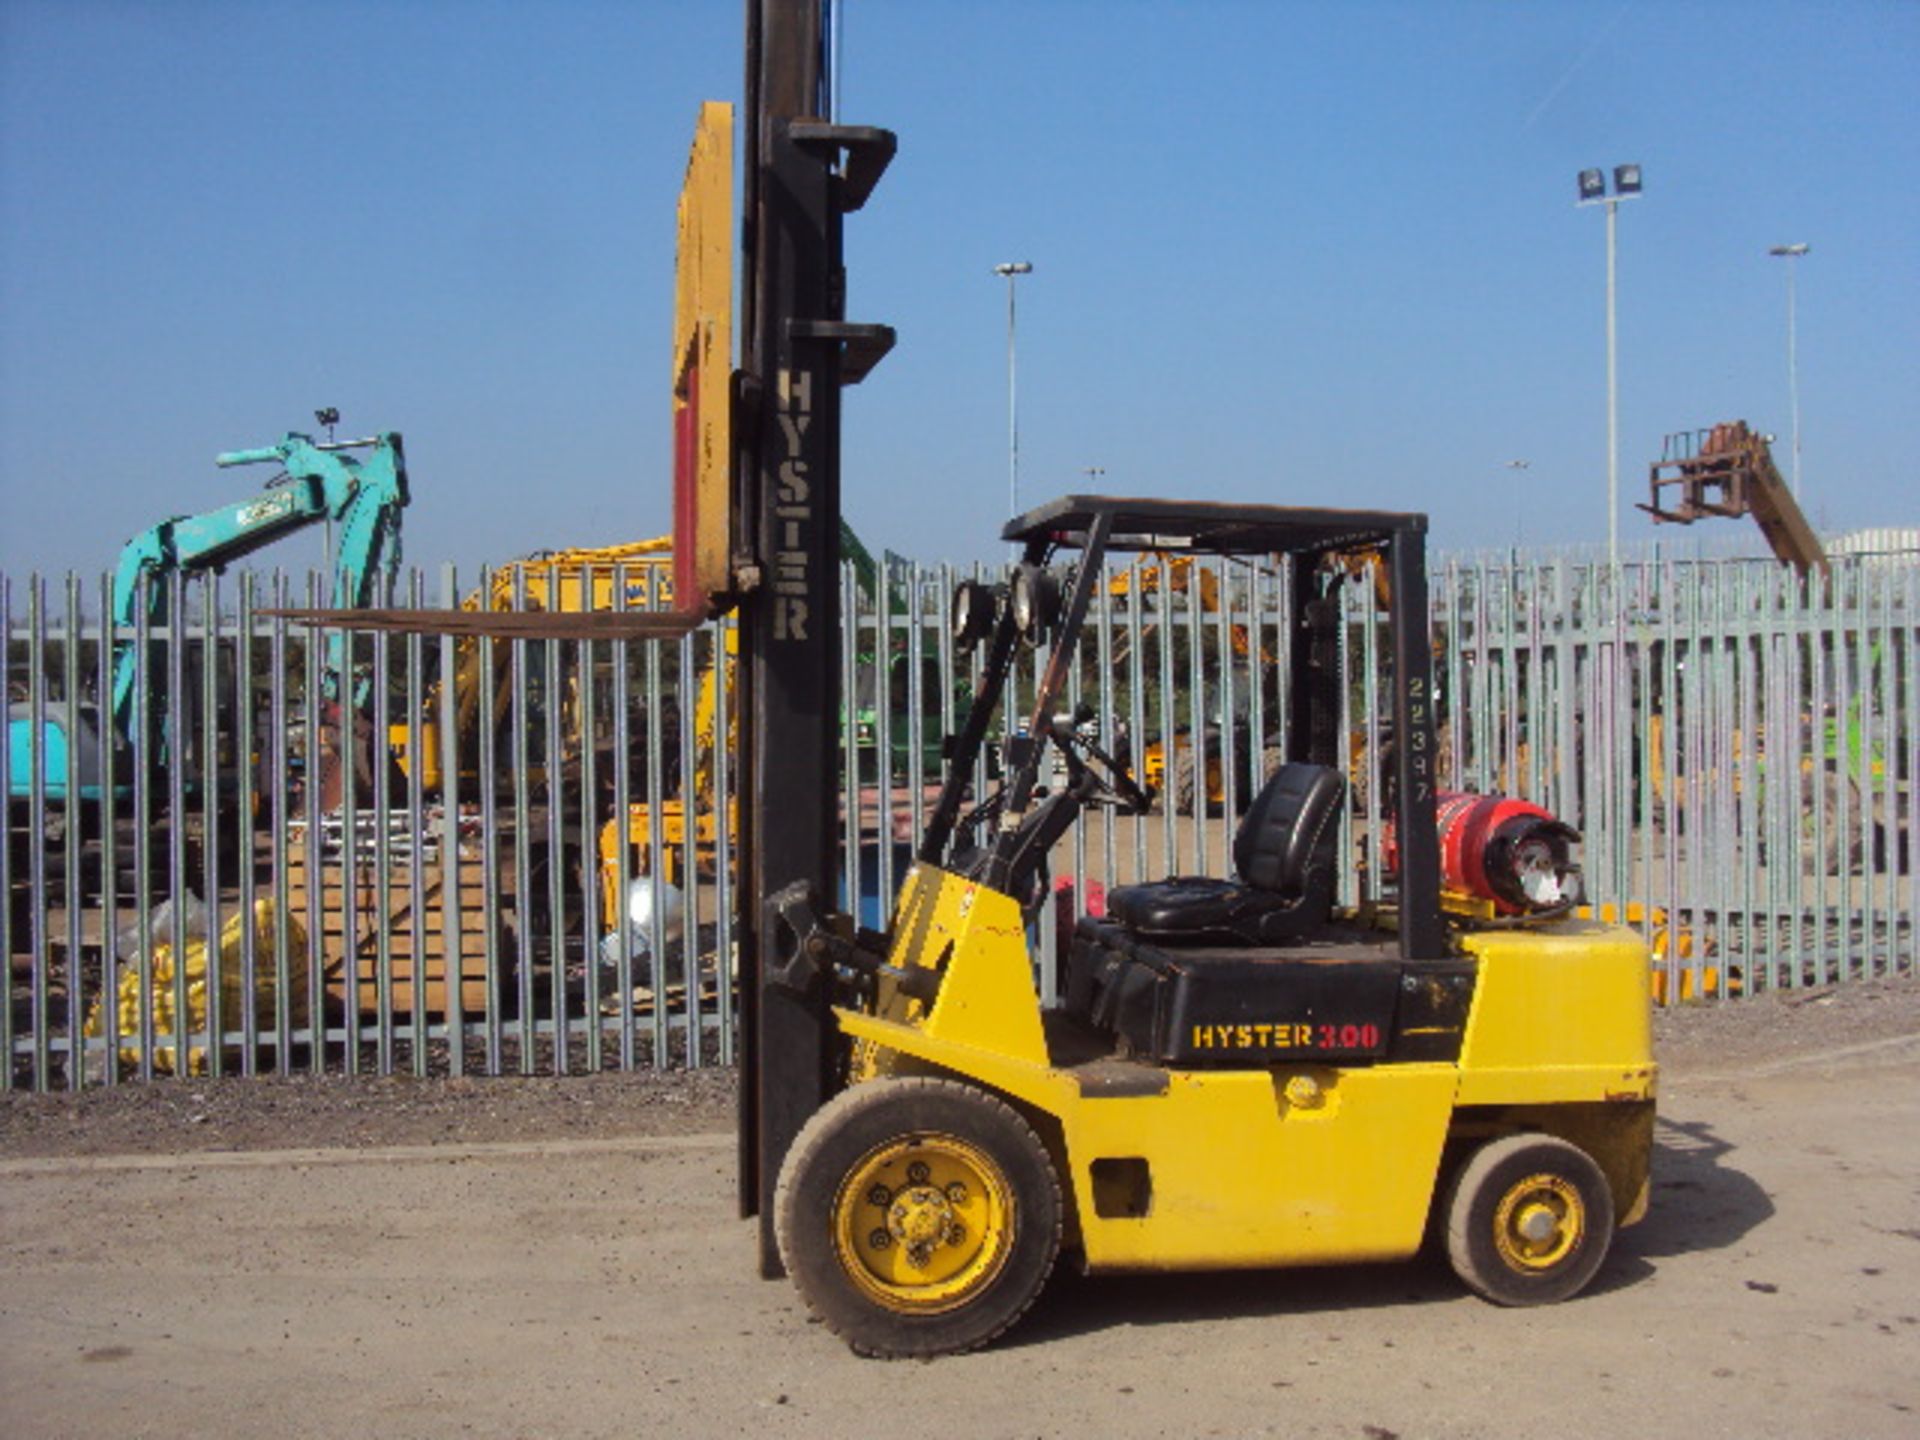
{"x": 1237, "y": 1073}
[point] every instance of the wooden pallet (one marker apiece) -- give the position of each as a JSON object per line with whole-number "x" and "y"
{"x": 428, "y": 941}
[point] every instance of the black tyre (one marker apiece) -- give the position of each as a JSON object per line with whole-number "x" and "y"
{"x": 918, "y": 1216}
{"x": 1529, "y": 1220}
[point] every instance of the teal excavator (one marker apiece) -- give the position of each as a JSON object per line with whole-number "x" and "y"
{"x": 358, "y": 485}
{"x": 317, "y": 481}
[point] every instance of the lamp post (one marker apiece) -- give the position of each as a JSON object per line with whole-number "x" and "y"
{"x": 1012, "y": 269}
{"x": 1593, "y": 191}
{"x": 1519, "y": 496}
{"x": 1791, "y": 254}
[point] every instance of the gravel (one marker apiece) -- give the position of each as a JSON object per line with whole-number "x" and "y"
{"x": 305, "y": 1112}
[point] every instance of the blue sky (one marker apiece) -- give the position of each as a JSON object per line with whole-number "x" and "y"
{"x": 1317, "y": 254}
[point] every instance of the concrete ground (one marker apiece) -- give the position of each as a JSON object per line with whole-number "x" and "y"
{"x": 502, "y": 1258}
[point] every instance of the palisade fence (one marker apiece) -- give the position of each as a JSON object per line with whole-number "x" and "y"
{"x": 290, "y": 851}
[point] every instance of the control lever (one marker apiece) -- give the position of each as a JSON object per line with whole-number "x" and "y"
{"x": 804, "y": 943}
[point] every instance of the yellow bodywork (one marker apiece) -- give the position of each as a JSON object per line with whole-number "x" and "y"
{"x": 1299, "y": 1163}
{"x": 638, "y": 842}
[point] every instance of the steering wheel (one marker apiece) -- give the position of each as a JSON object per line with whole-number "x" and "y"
{"x": 1111, "y": 784}
{"x": 969, "y": 824}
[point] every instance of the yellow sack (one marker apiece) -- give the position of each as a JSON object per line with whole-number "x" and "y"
{"x": 233, "y": 989}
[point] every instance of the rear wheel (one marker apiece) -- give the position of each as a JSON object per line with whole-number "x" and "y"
{"x": 918, "y": 1216}
{"x": 1529, "y": 1220}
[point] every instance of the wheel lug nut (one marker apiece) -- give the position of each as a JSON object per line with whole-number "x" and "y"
{"x": 957, "y": 1193}
{"x": 880, "y": 1197}
{"x": 917, "y": 1172}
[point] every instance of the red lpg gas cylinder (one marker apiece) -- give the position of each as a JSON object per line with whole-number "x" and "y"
{"x": 1508, "y": 851}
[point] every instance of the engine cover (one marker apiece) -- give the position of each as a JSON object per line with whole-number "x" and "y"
{"x": 1239, "y": 1007}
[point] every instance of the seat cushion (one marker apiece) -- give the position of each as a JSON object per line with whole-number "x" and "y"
{"x": 1198, "y": 910}
{"x": 1284, "y": 851}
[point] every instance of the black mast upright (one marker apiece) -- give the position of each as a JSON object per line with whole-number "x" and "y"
{"x": 802, "y": 174}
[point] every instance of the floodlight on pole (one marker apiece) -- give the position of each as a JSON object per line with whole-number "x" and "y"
{"x": 1013, "y": 269}
{"x": 1593, "y": 191}
{"x": 1792, "y": 253}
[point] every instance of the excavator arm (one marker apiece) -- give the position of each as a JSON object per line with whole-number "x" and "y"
{"x": 363, "y": 495}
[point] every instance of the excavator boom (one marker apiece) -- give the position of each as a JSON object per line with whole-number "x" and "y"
{"x": 362, "y": 495}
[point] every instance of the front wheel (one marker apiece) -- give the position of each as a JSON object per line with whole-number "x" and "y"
{"x": 1529, "y": 1220}
{"x": 918, "y": 1216}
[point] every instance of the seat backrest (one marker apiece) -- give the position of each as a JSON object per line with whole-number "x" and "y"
{"x": 1289, "y": 828}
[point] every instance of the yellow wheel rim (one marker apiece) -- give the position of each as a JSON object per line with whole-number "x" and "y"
{"x": 923, "y": 1224}
{"x": 1539, "y": 1223}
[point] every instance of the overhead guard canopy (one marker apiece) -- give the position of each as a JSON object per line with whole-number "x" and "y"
{"x": 1101, "y": 524}
{"x": 1209, "y": 527}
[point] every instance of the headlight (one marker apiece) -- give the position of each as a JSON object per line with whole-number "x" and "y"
{"x": 974, "y": 604}
{"x": 1035, "y": 601}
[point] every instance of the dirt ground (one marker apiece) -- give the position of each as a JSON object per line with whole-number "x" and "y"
{"x": 545, "y": 1257}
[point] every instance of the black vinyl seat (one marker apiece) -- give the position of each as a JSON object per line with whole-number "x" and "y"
{"x": 1284, "y": 853}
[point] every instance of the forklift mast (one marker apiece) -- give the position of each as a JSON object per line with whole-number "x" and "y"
{"x": 803, "y": 175}
{"x": 781, "y": 416}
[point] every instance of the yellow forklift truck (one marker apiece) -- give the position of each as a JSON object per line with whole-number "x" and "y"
{"x": 1239, "y": 1074}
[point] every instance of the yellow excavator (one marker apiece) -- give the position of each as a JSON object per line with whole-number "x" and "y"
{"x": 669, "y": 813}
{"x": 1197, "y": 775}
{"x": 636, "y": 575}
